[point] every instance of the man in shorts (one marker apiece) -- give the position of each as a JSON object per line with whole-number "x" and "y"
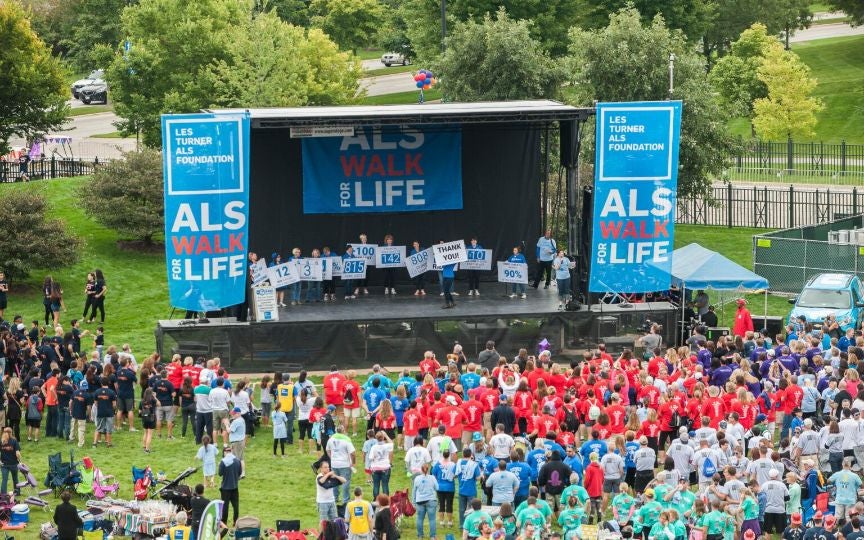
{"x": 219, "y": 398}
{"x": 237, "y": 438}
{"x": 105, "y": 400}
{"x": 165, "y": 393}
{"x": 126, "y": 394}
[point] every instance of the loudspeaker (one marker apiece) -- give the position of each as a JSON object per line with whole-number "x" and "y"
{"x": 773, "y": 324}
{"x": 569, "y": 143}
{"x": 712, "y": 334}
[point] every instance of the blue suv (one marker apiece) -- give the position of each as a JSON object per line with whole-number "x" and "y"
{"x": 826, "y": 294}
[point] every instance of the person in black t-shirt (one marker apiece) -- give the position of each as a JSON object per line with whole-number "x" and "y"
{"x": 126, "y": 393}
{"x": 164, "y": 391}
{"x": 105, "y": 399}
{"x": 99, "y": 290}
{"x": 64, "y": 391}
{"x": 4, "y": 288}
{"x": 197, "y": 506}
{"x": 10, "y": 457}
{"x": 80, "y": 404}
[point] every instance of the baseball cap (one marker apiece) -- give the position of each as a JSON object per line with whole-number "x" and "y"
{"x": 741, "y": 301}
{"x": 331, "y": 407}
{"x": 830, "y": 520}
{"x": 643, "y": 440}
{"x": 796, "y": 518}
{"x": 649, "y": 492}
{"x": 817, "y": 516}
{"x": 503, "y": 398}
{"x": 477, "y": 436}
{"x": 808, "y": 422}
{"x": 760, "y": 418}
{"x": 773, "y": 473}
{"x": 235, "y": 410}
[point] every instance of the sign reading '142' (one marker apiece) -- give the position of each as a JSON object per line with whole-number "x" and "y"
{"x": 635, "y": 196}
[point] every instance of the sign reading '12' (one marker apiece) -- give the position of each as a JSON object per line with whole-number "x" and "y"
{"x": 636, "y": 181}
{"x": 388, "y": 169}
{"x": 206, "y": 169}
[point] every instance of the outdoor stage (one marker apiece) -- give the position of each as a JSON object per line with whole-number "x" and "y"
{"x": 397, "y": 330}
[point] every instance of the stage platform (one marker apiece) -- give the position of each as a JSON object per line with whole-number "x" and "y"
{"x": 396, "y": 330}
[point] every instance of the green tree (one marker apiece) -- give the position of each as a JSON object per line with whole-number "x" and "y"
{"x": 53, "y": 21}
{"x": 32, "y": 90}
{"x": 39, "y": 242}
{"x": 853, "y": 8}
{"x": 628, "y": 61}
{"x": 393, "y": 35}
{"x": 735, "y": 76}
{"x": 294, "y": 12}
{"x": 98, "y": 22}
{"x": 352, "y": 24}
{"x": 732, "y": 17}
{"x": 789, "y": 110}
{"x": 497, "y": 59}
{"x": 126, "y": 195}
{"x": 693, "y": 17}
{"x": 271, "y": 63}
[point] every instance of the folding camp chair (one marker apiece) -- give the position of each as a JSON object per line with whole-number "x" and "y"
{"x": 247, "y": 527}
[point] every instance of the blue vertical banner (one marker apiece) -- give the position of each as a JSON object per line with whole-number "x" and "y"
{"x": 635, "y": 196}
{"x": 206, "y": 170}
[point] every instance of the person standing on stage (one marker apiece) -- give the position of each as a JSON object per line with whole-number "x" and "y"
{"x": 474, "y": 275}
{"x": 275, "y": 260}
{"x": 562, "y": 265}
{"x": 361, "y": 283}
{"x": 448, "y": 276}
{"x": 419, "y": 280}
{"x": 389, "y": 273}
{"x": 517, "y": 257}
{"x": 295, "y": 288}
{"x": 349, "y": 284}
{"x": 327, "y": 286}
{"x": 545, "y": 253}
{"x": 313, "y": 289}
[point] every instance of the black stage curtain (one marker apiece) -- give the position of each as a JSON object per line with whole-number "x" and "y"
{"x": 501, "y": 180}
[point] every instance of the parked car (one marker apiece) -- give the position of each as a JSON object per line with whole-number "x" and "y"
{"x": 394, "y": 58}
{"x": 80, "y": 83}
{"x": 840, "y": 295}
{"x": 96, "y": 91}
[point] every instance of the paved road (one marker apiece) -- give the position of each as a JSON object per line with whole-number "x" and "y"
{"x": 823, "y": 31}
{"x": 388, "y": 84}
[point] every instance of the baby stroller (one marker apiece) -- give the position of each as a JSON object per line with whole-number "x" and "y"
{"x": 180, "y": 495}
{"x": 62, "y": 476}
{"x": 94, "y": 483}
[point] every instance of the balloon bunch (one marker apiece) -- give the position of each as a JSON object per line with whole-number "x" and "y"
{"x": 424, "y": 79}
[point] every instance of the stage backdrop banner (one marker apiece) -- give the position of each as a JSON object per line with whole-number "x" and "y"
{"x": 419, "y": 263}
{"x": 206, "y": 171}
{"x": 449, "y": 253}
{"x": 512, "y": 272}
{"x": 354, "y": 269}
{"x": 635, "y": 187}
{"x": 387, "y": 169}
{"x": 478, "y": 259}
{"x": 365, "y": 251}
{"x": 390, "y": 257}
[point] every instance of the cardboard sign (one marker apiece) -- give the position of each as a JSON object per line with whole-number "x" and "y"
{"x": 390, "y": 257}
{"x": 450, "y": 252}
{"x": 265, "y": 303}
{"x": 354, "y": 269}
{"x": 283, "y": 274}
{"x": 365, "y": 251}
{"x": 259, "y": 271}
{"x": 419, "y": 263}
{"x": 512, "y": 272}
{"x": 310, "y": 269}
{"x": 478, "y": 259}
{"x": 334, "y": 267}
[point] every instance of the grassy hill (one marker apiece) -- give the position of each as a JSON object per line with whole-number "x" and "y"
{"x": 838, "y": 65}
{"x": 137, "y": 294}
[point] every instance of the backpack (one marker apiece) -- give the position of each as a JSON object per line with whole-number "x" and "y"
{"x": 570, "y": 419}
{"x": 444, "y": 444}
{"x": 34, "y": 407}
{"x": 348, "y": 398}
{"x": 708, "y": 468}
{"x": 593, "y": 412}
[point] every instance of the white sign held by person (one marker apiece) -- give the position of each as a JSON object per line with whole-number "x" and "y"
{"x": 265, "y": 303}
{"x": 450, "y": 252}
{"x": 310, "y": 269}
{"x": 283, "y": 274}
{"x": 365, "y": 251}
{"x": 259, "y": 271}
{"x": 419, "y": 263}
{"x": 334, "y": 267}
{"x": 354, "y": 269}
{"x": 512, "y": 272}
{"x": 390, "y": 256}
{"x": 478, "y": 259}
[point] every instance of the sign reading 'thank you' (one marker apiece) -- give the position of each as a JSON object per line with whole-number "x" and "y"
{"x": 636, "y": 181}
{"x": 387, "y": 169}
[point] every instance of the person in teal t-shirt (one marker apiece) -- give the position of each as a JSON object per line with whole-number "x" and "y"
{"x": 648, "y": 514}
{"x": 574, "y": 489}
{"x": 471, "y": 526}
{"x": 530, "y": 514}
{"x": 570, "y": 519}
{"x": 542, "y": 505}
{"x": 662, "y": 530}
{"x": 623, "y": 505}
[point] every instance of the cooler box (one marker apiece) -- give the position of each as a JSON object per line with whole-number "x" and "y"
{"x": 87, "y": 519}
{"x": 20, "y": 514}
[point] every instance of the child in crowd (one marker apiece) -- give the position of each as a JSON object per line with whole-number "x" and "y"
{"x": 280, "y": 428}
{"x": 367, "y": 447}
{"x": 207, "y": 455}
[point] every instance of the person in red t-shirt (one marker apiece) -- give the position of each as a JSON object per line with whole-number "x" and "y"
{"x": 593, "y": 484}
{"x": 651, "y": 429}
{"x": 617, "y": 415}
{"x": 473, "y": 410}
{"x": 351, "y": 402}
{"x": 543, "y": 423}
{"x": 713, "y": 407}
{"x": 429, "y": 365}
{"x": 452, "y": 417}
{"x": 654, "y": 365}
{"x": 334, "y": 389}
{"x": 651, "y": 392}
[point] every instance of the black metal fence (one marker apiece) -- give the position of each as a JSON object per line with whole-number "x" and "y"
{"x": 770, "y": 207}
{"x": 808, "y": 158}
{"x": 40, "y": 169}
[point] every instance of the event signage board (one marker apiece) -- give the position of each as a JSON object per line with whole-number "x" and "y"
{"x": 259, "y": 271}
{"x": 282, "y": 275}
{"x": 310, "y": 269}
{"x": 208, "y": 529}
{"x": 334, "y": 268}
{"x": 450, "y": 253}
{"x": 390, "y": 257}
{"x": 478, "y": 259}
{"x": 206, "y": 175}
{"x": 266, "y": 308}
{"x": 384, "y": 169}
{"x": 635, "y": 195}
{"x": 419, "y": 263}
{"x": 365, "y": 251}
{"x": 354, "y": 269}
{"x": 509, "y": 272}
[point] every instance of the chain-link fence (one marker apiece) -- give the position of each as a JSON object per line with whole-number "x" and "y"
{"x": 788, "y": 258}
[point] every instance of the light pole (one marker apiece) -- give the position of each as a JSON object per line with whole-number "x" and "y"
{"x": 443, "y": 24}
{"x": 671, "y": 74}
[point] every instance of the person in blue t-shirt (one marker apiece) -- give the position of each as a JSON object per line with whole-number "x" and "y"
{"x": 469, "y": 380}
{"x": 448, "y": 275}
{"x": 545, "y": 253}
{"x": 630, "y": 448}
{"x": 574, "y": 460}
{"x": 525, "y": 475}
{"x": 474, "y": 275}
{"x": 372, "y": 399}
{"x": 536, "y": 459}
{"x": 594, "y": 444}
{"x": 445, "y": 473}
{"x": 349, "y": 284}
{"x": 467, "y": 471}
{"x": 517, "y": 257}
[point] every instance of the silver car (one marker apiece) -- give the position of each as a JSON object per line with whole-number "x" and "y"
{"x": 394, "y": 58}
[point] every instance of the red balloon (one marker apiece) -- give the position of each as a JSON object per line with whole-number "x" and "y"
{"x": 418, "y": 78}
{"x": 422, "y": 76}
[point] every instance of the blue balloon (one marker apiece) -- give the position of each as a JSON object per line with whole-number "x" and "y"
{"x": 420, "y": 84}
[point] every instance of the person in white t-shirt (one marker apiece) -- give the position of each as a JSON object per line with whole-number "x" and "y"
{"x": 501, "y": 443}
{"x": 416, "y": 456}
{"x": 439, "y": 443}
{"x": 380, "y": 462}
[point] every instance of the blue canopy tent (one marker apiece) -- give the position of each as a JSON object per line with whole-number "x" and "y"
{"x": 696, "y": 267}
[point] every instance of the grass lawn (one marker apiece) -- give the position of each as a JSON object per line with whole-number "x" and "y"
{"x": 388, "y": 71}
{"x": 401, "y": 98}
{"x": 137, "y": 291}
{"x": 111, "y": 135}
{"x": 369, "y": 54}
{"x": 820, "y": 7}
{"x": 90, "y": 109}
